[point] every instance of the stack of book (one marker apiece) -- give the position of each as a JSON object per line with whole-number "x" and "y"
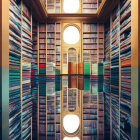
{"x": 50, "y": 92}
{"x": 26, "y": 34}
{"x": 14, "y": 69}
{"x": 51, "y": 51}
{"x": 64, "y": 98}
{"x": 89, "y": 6}
{"x": 101, "y": 114}
{"x": 26, "y": 72}
{"x": 53, "y": 6}
{"x": 107, "y": 73}
{"x": 101, "y": 43}
{"x": 26, "y": 100}
{"x": 58, "y": 115}
{"x": 89, "y": 42}
{"x": 115, "y": 72}
{"x": 90, "y": 113}
{"x": 72, "y": 92}
{"x": 42, "y": 49}
{"x": 42, "y": 107}
{"x": 125, "y": 55}
{"x": 34, "y": 80}
{"x": 58, "y": 47}
{"x": 50, "y": 69}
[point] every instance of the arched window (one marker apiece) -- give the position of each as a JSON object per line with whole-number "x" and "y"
{"x": 71, "y": 35}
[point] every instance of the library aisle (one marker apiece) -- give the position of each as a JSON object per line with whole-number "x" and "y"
{"x": 69, "y": 70}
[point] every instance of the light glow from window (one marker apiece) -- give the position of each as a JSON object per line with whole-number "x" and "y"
{"x": 71, "y": 138}
{"x": 71, "y": 35}
{"x": 71, "y": 6}
{"x": 71, "y": 123}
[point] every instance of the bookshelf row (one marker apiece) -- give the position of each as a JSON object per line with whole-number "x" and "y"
{"x": 88, "y": 6}
{"x": 93, "y": 43}
{"x": 47, "y": 48}
{"x": 117, "y": 68}
{"x": 20, "y": 58}
{"x": 48, "y": 124}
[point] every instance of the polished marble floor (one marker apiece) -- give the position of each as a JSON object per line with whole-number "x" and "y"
{"x": 75, "y": 107}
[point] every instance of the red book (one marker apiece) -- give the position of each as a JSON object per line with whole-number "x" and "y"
{"x": 42, "y": 65}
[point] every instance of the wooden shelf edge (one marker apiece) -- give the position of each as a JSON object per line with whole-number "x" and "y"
{"x": 105, "y": 8}
{"x": 40, "y": 13}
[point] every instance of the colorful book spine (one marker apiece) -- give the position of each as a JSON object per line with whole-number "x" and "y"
{"x": 51, "y": 51}
{"x": 89, "y": 6}
{"x": 42, "y": 49}
{"x": 14, "y": 69}
{"x": 115, "y": 41}
{"x": 54, "y": 6}
{"x": 42, "y": 107}
{"x": 107, "y": 80}
{"x": 100, "y": 43}
{"x": 50, "y": 92}
{"x": 26, "y": 72}
{"x": 90, "y": 110}
{"x": 58, "y": 48}
{"x": 125, "y": 56}
{"x": 34, "y": 79}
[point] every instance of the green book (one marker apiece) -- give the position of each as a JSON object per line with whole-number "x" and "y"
{"x": 86, "y": 68}
{"x": 57, "y": 72}
{"x": 42, "y": 70}
{"x": 100, "y": 69}
{"x": 87, "y": 83}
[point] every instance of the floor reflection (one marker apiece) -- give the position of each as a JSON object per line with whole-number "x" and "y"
{"x": 54, "y": 98}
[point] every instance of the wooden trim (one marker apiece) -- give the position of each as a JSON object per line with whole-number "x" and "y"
{"x": 39, "y": 8}
{"x": 135, "y": 67}
{"x": 72, "y": 15}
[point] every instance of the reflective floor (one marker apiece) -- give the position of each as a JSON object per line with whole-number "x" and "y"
{"x": 76, "y": 107}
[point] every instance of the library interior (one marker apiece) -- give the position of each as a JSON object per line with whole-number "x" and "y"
{"x": 69, "y": 69}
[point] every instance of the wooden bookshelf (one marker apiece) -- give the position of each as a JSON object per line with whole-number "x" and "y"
{"x": 124, "y": 85}
{"x": 53, "y": 6}
{"x": 89, "y": 6}
{"x": 26, "y": 53}
{"x": 99, "y": 15}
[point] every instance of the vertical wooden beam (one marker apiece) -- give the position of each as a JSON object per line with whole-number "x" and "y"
{"x": 135, "y": 50}
{"x": 4, "y": 69}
